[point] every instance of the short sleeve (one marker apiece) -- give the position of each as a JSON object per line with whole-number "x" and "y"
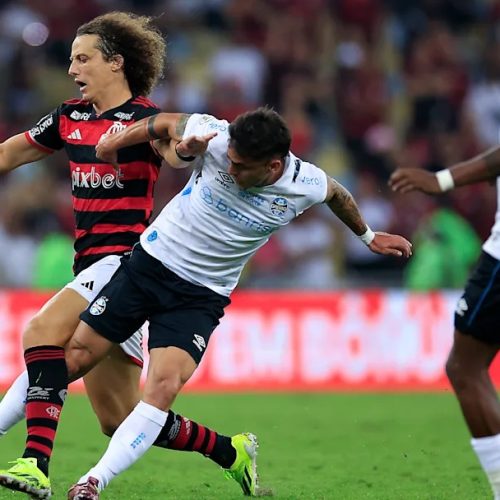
{"x": 45, "y": 134}
{"x": 314, "y": 184}
{"x": 198, "y": 124}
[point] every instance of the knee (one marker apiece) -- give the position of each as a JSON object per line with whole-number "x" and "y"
{"x": 41, "y": 330}
{"x": 163, "y": 389}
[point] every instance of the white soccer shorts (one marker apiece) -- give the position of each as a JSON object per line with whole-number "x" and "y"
{"x": 90, "y": 282}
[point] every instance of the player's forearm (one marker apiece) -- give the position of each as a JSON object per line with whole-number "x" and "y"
{"x": 342, "y": 204}
{"x": 161, "y": 126}
{"x": 483, "y": 167}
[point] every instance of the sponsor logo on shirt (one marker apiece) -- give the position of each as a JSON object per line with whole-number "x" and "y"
{"x": 205, "y": 119}
{"x": 76, "y": 115}
{"x": 252, "y": 198}
{"x": 224, "y": 207}
{"x": 310, "y": 181}
{"x": 124, "y": 116}
{"x": 94, "y": 179}
{"x": 217, "y": 126}
{"x": 43, "y": 124}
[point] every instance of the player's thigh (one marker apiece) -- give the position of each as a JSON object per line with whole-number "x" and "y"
{"x": 113, "y": 388}
{"x": 56, "y": 321}
{"x": 470, "y": 355}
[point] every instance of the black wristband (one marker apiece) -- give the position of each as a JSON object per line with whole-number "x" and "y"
{"x": 183, "y": 158}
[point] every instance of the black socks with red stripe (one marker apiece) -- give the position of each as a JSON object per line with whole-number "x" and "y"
{"x": 180, "y": 433}
{"x": 48, "y": 384}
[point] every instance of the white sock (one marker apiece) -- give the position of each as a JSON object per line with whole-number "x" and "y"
{"x": 132, "y": 439}
{"x": 13, "y": 403}
{"x": 488, "y": 452}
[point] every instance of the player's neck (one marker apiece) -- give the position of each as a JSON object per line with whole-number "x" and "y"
{"x": 111, "y": 98}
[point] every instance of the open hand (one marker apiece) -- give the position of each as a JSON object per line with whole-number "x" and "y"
{"x": 390, "y": 244}
{"x": 194, "y": 145}
{"x": 405, "y": 180}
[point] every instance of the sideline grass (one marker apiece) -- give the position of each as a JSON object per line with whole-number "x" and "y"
{"x": 312, "y": 446}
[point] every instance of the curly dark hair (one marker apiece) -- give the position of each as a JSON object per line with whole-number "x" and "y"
{"x": 134, "y": 38}
{"x": 260, "y": 135}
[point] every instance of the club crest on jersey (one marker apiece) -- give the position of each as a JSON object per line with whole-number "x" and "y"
{"x": 99, "y": 306}
{"x": 279, "y": 207}
{"x": 116, "y": 127}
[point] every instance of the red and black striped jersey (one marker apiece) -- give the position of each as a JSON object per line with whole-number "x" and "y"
{"x": 111, "y": 210}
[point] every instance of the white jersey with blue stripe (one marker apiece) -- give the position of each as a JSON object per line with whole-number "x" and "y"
{"x": 211, "y": 228}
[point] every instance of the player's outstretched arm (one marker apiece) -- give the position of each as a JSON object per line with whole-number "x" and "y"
{"x": 166, "y": 130}
{"x": 342, "y": 204}
{"x": 17, "y": 151}
{"x": 483, "y": 167}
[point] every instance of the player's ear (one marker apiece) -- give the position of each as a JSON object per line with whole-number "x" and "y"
{"x": 117, "y": 62}
{"x": 275, "y": 164}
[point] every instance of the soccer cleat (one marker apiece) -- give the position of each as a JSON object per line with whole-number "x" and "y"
{"x": 89, "y": 490}
{"x": 25, "y": 476}
{"x": 244, "y": 469}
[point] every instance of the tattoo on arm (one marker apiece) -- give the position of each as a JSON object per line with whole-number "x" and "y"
{"x": 181, "y": 124}
{"x": 343, "y": 205}
{"x": 151, "y": 128}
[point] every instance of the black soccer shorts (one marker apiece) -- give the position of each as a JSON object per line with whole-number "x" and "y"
{"x": 180, "y": 313}
{"x": 478, "y": 310}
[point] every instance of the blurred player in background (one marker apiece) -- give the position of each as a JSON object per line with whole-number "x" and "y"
{"x": 245, "y": 186}
{"x": 116, "y": 59}
{"x": 477, "y": 317}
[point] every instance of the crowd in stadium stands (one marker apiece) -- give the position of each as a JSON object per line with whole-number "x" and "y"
{"x": 365, "y": 85}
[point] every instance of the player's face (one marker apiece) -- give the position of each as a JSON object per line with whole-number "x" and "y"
{"x": 249, "y": 173}
{"x": 91, "y": 72}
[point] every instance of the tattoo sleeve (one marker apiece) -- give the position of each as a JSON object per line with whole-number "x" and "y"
{"x": 181, "y": 124}
{"x": 343, "y": 205}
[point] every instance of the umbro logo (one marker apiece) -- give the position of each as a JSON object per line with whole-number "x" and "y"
{"x": 226, "y": 177}
{"x": 76, "y": 135}
{"x": 199, "y": 342}
{"x": 89, "y": 285}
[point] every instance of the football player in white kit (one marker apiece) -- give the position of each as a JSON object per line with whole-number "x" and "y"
{"x": 245, "y": 185}
{"x": 476, "y": 339}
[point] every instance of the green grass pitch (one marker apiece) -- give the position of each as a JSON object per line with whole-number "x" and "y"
{"x": 312, "y": 446}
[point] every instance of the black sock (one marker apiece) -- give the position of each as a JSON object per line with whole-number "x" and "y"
{"x": 48, "y": 383}
{"x": 180, "y": 433}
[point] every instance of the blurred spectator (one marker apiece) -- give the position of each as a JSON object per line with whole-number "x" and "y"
{"x": 364, "y": 84}
{"x": 445, "y": 248}
{"x": 53, "y": 262}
